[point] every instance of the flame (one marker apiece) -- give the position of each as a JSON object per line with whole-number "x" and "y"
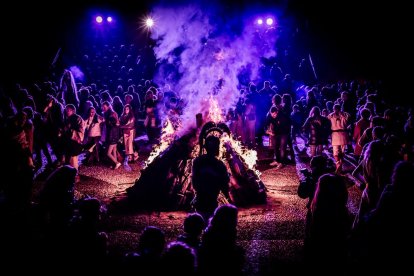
{"x": 214, "y": 111}
{"x": 167, "y": 137}
{"x": 249, "y": 156}
{"x": 195, "y": 151}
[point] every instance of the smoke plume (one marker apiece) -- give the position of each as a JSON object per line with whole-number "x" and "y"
{"x": 200, "y": 58}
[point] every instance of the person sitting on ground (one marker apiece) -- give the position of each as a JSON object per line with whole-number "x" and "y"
{"x": 193, "y": 227}
{"x": 209, "y": 178}
{"x": 148, "y": 257}
{"x": 88, "y": 245}
{"x": 56, "y": 199}
{"x": 219, "y": 254}
{"x": 328, "y": 226}
{"x": 179, "y": 259}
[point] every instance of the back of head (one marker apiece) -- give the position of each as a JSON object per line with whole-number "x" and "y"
{"x": 194, "y": 224}
{"x": 402, "y": 176}
{"x": 331, "y": 194}
{"x": 59, "y": 186}
{"x": 29, "y": 112}
{"x": 212, "y": 145}
{"x": 90, "y": 208}
{"x": 225, "y": 217}
{"x": 152, "y": 241}
{"x": 315, "y": 112}
{"x": 274, "y": 109}
{"x": 377, "y": 121}
{"x": 378, "y": 132}
{"x": 63, "y": 177}
{"x": 179, "y": 259}
{"x": 318, "y": 162}
{"x": 365, "y": 113}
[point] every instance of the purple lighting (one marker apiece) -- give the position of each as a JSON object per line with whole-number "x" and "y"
{"x": 260, "y": 21}
{"x": 109, "y": 19}
{"x": 269, "y": 21}
{"x": 99, "y": 19}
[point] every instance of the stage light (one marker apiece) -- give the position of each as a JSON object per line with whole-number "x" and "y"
{"x": 99, "y": 19}
{"x": 260, "y": 21}
{"x": 269, "y": 21}
{"x": 109, "y": 19}
{"x": 149, "y": 22}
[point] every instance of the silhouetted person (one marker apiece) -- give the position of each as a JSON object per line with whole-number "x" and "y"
{"x": 88, "y": 245}
{"x": 147, "y": 261}
{"x": 359, "y": 129}
{"x": 93, "y": 129}
{"x": 68, "y": 91}
{"x": 219, "y": 254}
{"x": 318, "y": 128}
{"x": 179, "y": 259}
{"x": 307, "y": 185}
{"x": 57, "y": 197}
{"x": 54, "y": 123}
{"x": 329, "y": 225}
{"x": 73, "y": 135}
{"x": 385, "y": 235}
{"x": 209, "y": 177}
{"x": 194, "y": 225}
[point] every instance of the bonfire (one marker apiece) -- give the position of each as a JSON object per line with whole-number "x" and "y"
{"x": 165, "y": 180}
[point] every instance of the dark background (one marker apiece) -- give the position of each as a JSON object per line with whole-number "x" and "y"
{"x": 347, "y": 39}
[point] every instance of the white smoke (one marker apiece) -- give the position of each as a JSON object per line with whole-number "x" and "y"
{"x": 77, "y": 73}
{"x": 204, "y": 57}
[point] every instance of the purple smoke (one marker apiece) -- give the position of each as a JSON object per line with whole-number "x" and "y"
{"x": 208, "y": 60}
{"x": 77, "y": 73}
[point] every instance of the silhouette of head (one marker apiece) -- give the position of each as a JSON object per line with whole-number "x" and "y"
{"x": 194, "y": 224}
{"x": 212, "y": 145}
{"x": 152, "y": 241}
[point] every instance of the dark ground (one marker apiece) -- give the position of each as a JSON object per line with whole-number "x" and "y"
{"x": 272, "y": 234}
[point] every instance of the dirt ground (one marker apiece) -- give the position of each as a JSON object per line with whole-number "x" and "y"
{"x": 271, "y": 234}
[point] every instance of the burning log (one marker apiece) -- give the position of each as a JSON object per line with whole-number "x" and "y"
{"x": 246, "y": 187}
{"x": 165, "y": 183}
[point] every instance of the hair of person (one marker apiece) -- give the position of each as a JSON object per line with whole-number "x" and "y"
{"x": 71, "y": 107}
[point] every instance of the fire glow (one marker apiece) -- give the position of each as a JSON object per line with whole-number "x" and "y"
{"x": 214, "y": 111}
{"x": 167, "y": 137}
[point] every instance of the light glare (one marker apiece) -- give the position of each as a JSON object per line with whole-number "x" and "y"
{"x": 269, "y": 21}
{"x": 149, "y": 22}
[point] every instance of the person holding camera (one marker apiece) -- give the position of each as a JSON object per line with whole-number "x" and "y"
{"x": 309, "y": 178}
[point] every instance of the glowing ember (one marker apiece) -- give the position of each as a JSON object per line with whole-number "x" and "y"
{"x": 167, "y": 137}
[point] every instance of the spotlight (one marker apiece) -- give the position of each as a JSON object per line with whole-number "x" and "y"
{"x": 149, "y": 22}
{"x": 99, "y": 19}
{"x": 269, "y": 21}
{"x": 260, "y": 21}
{"x": 109, "y": 19}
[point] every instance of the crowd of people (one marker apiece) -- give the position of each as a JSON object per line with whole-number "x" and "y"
{"x": 57, "y": 121}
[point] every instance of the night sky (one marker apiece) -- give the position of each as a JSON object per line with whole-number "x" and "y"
{"x": 347, "y": 38}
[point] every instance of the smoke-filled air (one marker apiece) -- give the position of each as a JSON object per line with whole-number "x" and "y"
{"x": 202, "y": 63}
